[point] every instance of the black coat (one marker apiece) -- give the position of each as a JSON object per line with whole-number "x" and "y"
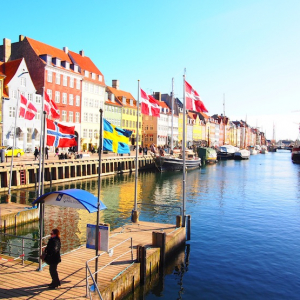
{"x": 53, "y": 251}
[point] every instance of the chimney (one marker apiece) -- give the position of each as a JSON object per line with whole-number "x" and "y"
{"x": 157, "y": 96}
{"x": 115, "y": 84}
{"x": 81, "y": 52}
{"x": 21, "y": 37}
{"x": 66, "y": 50}
{"x": 6, "y": 50}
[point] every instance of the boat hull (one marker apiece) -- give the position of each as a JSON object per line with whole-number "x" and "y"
{"x": 165, "y": 164}
{"x": 296, "y": 155}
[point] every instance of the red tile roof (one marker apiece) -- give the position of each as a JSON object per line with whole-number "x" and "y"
{"x": 108, "y": 102}
{"x": 10, "y": 69}
{"x": 42, "y": 49}
{"x": 163, "y": 104}
{"x": 120, "y": 94}
{"x": 204, "y": 115}
{"x": 86, "y": 64}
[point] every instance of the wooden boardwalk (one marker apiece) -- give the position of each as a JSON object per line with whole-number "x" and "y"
{"x": 25, "y": 282}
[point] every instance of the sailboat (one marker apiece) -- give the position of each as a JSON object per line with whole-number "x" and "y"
{"x": 177, "y": 160}
{"x": 296, "y": 150}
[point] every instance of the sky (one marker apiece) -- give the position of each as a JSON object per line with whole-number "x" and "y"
{"x": 243, "y": 53}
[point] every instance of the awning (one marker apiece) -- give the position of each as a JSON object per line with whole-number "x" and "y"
{"x": 71, "y": 198}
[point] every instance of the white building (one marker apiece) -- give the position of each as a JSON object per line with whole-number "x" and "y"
{"x": 18, "y": 81}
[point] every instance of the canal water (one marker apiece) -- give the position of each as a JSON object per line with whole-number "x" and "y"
{"x": 245, "y": 237}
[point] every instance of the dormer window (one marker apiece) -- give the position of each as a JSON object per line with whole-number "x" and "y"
{"x": 124, "y": 100}
{"x": 131, "y": 102}
{"x": 112, "y": 98}
{"x": 56, "y": 61}
{"x": 100, "y": 77}
{"x": 65, "y": 64}
{"x": 86, "y": 73}
{"x": 93, "y": 76}
{"x": 75, "y": 68}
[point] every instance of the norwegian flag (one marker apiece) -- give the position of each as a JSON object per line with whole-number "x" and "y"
{"x": 149, "y": 105}
{"x": 193, "y": 100}
{"x": 59, "y": 135}
{"x": 27, "y": 109}
{"x": 50, "y": 107}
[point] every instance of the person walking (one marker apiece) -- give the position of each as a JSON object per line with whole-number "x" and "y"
{"x": 46, "y": 152}
{"x": 52, "y": 257}
{"x": 36, "y": 153}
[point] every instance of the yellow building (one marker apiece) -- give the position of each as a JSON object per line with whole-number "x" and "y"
{"x": 197, "y": 129}
{"x": 2, "y": 76}
{"x": 129, "y": 111}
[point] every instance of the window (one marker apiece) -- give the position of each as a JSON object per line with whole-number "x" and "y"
{"x": 64, "y": 98}
{"x": 37, "y": 116}
{"x": 86, "y": 86}
{"x": 71, "y": 99}
{"x": 57, "y": 97}
{"x": 12, "y": 112}
{"x": 91, "y": 118}
{"x": 49, "y": 76}
{"x": 65, "y": 80}
{"x": 78, "y": 84}
{"x": 126, "y": 123}
{"x": 91, "y": 88}
{"x": 86, "y": 102}
{"x": 86, "y": 73}
{"x": 70, "y": 116}
{"x": 77, "y": 117}
{"x": 23, "y": 81}
{"x": 49, "y": 92}
{"x": 84, "y": 133}
{"x": 37, "y": 99}
{"x": 91, "y": 103}
{"x": 100, "y": 78}
{"x": 77, "y": 100}
{"x": 30, "y": 97}
{"x": 95, "y": 133}
{"x": 64, "y": 116}
{"x": 90, "y": 133}
{"x": 85, "y": 117}
{"x": 96, "y": 103}
{"x": 123, "y": 123}
{"x": 96, "y": 89}
{"x": 71, "y": 82}
{"x": 93, "y": 76}
{"x": 96, "y": 118}
{"x": 57, "y": 78}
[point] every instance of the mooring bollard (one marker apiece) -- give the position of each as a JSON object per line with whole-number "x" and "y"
{"x": 178, "y": 221}
{"x": 188, "y": 227}
{"x": 142, "y": 259}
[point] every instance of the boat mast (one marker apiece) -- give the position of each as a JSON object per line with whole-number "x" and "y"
{"x": 172, "y": 109}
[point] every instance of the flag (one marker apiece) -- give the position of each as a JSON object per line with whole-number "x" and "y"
{"x": 115, "y": 139}
{"x": 59, "y": 135}
{"x": 27, "y": 109}
{"x": 50, "y": 107}
{"x": 193, "y": 100}
{"x": 149, "y": 105}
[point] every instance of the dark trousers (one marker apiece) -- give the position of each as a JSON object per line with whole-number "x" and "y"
{"x": 54, "y": 274}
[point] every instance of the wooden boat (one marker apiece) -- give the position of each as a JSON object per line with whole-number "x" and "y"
{"x": 174, "y": 162}
{"x": 226, "y": 152}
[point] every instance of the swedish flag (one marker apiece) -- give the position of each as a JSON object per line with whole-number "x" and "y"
{"x": 115, "y": 139}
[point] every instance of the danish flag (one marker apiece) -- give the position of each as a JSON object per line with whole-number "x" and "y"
{"x": 27, "y": 109}
{"x": 149, "y": 105}
{"x": 59, "y": 135}
{"x": 193, "y": 100}
{"x": 50, "y": 107}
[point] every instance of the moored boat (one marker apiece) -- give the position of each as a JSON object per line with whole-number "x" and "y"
{"x": 296, "y": 153}
{"x": 208, "y": 155}
{"x": 226, "y": 152}
{"x": 174, "y": 162}
{"x": 242, "y": 154}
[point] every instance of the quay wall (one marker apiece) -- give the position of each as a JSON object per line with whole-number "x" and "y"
{"x": 25, "y": 175}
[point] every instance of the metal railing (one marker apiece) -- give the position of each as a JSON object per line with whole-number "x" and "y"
{"x": 90, "y": 274}
{"x": 20, "y": 248}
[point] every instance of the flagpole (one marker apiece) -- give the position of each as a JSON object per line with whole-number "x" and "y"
{"x": 172, "y": 119}
{"x": 134, "y": 214}
{"x": 13, "y": 149}
{"x": 43, "y": 147}
{"x": 99, "y": 188}
{"x": 183, "y": 154}
{"x": 41, "y": 142}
